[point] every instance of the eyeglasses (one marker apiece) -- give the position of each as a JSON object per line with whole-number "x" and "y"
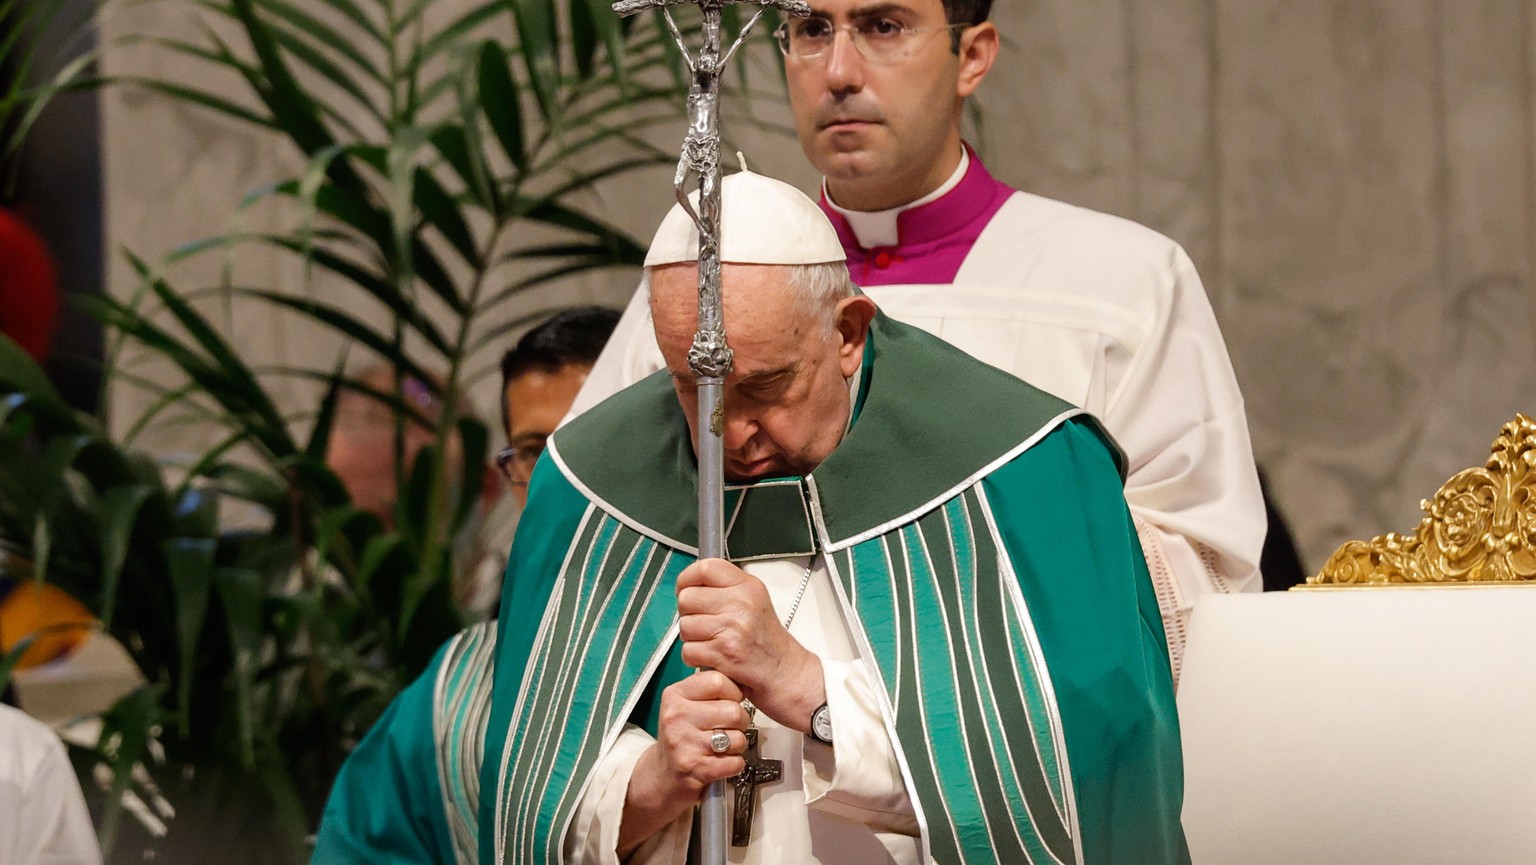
{"x": 516, "y": 464}
{"x": 879, "y": 40}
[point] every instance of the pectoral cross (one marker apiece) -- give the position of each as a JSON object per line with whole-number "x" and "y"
{"x": 757, "y": 772}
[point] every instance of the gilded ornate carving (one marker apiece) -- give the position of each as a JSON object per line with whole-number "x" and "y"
{"x": 1480, "y": 528}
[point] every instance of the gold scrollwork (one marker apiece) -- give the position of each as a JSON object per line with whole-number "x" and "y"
{"x": 1480, "y": 528}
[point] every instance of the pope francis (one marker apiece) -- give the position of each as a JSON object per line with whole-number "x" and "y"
{"x": 933, "y": 638}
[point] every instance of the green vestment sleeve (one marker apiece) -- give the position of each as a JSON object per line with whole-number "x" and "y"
{"x": 544, "y": 537}
{"x": 1080, "y": 567}
{"x": 387, "y": 804}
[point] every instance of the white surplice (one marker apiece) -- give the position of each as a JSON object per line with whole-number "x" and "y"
{"x": 833, "y": 805}
{"x": 1110, "y": 316}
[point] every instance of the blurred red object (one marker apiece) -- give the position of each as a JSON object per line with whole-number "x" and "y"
{"x": 29, "y": 294}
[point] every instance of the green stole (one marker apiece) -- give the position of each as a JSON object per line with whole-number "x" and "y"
{"x": 917, "y": 559}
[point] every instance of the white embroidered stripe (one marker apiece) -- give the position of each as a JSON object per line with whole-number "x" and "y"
{"x": 461, "y": 706}
{"x": 541, "y": 639}
{"x": 573, "y": 664}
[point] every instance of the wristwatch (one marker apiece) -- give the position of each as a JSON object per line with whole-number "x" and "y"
{"x": 821, "y": 725}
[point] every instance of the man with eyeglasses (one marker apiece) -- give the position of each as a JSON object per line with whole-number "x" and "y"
{"x": 1094, "y": 309}
{"x": 540, "y": 376}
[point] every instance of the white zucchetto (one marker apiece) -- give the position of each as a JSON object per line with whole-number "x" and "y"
{"x": 762, "y": 221}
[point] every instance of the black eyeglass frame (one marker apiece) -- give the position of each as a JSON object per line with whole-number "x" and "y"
{"x": 505, "y": 458}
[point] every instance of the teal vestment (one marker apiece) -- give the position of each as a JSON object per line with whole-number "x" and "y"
{"x": 976, "y": 534}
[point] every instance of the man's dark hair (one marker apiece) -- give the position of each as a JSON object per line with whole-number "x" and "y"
{"x": 968, "y": 12}
{"x": 573, "y": 336}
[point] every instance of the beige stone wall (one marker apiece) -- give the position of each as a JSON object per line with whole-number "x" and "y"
{"x": 1356, "y": 180}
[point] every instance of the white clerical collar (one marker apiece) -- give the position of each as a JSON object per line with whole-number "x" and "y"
{"x": 878, "y": 228}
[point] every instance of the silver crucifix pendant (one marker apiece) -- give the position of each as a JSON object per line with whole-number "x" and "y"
{"x": 758, "y": 771}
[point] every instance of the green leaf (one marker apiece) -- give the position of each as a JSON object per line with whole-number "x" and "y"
{"x": 333, "y": 73}
{"x": 380, "y": 551}
{"x": 356, "y": 16}
{"x": 315, "y": 480}
{"x": 497, "y": 334}
{"x": 452, "y": 143}
{"x": 195, "y": 513}
{"x": 20, "y": 52}
{"x": 207, "y": 100}
{"x": 400, "y": 171}
{"x": 240, "y": 594}
{"x": 116, "y": 515}
{"x": 475, "y": 440}
{"x": 339, "y": 530}
{"x": 624, "y": 136}
{"x": 610, "y": 30}
{"x": 584, "y": 38}
{"x": 225, "y": 375}
{"x": 126, "y": 733}
{"x": 49, "y": 416}
{"x": 376, "y": 225}
{"x": 18, "y": 371}
{"x": 176, "y": 397}
{"x": 347, "y": 325}
{"x": 536, "y": 33}
{"x": 59, "y": 454}
{"x": 623, "y": 247}
{"x": 502, "y": 108}
{"x": 593, "y": 176}
{"x": 232, "y": 480}
{"x": 320, "y": 436}
{"x": 190, "y": 567}
{"x": 9, "y": 660}
{"x": 413, "y": 511}
{"x": 290, "y": 104}
{"x": 440, "y": 211}
{"x": 332, "y": 39}
{"x": 377, "y": 287}
{"x": 451, "y": 36}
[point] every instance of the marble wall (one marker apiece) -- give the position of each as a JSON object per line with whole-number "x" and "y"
{"x": 1356, "y": 180}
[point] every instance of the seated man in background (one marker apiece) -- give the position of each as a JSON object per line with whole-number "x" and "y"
{"x": 540, "y": 376}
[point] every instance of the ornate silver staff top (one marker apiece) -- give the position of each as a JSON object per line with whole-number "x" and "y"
{"x": 709, "y": 358}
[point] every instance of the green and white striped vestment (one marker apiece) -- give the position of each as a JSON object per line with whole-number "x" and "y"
{"x": 985, "y": 562}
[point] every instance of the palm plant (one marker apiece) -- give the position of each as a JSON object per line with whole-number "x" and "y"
{"x": 441, "y": 166}
{"x": 34, "y": 68}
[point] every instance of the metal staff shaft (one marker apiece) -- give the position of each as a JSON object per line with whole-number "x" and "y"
{"x": 709, "y": 358}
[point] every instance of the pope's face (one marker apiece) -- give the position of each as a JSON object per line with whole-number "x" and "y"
{"x": 884, "y": 132}
{"x": 786, "y": 398}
